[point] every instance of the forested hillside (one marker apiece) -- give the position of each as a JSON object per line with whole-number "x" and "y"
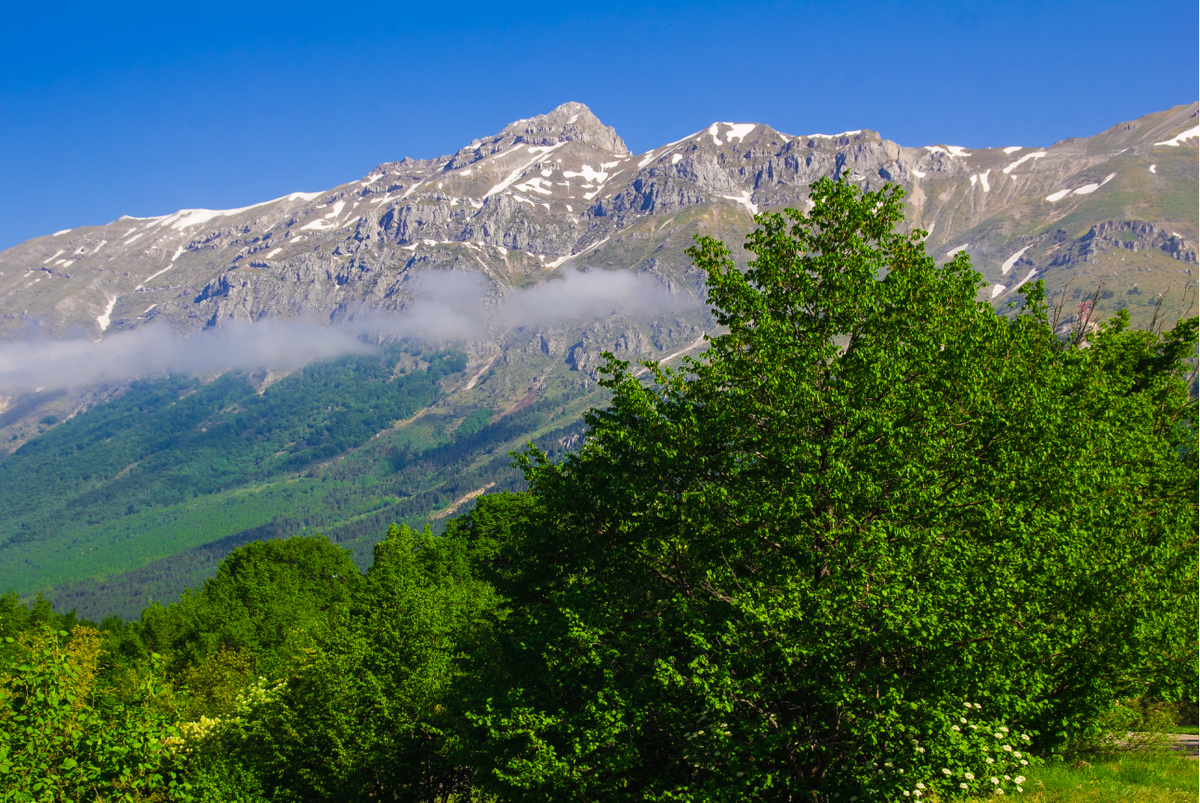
{"x": 136, "y": 498}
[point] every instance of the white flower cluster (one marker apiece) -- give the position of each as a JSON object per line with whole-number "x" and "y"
{"x": 258, "y": 692}
{"x": 986, "y": 750}
{"x": 193, "y": 734}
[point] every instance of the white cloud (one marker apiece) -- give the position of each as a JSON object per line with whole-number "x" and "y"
{"x": 446, "y": 307}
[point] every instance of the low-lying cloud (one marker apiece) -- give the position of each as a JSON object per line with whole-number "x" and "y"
{"x": 448, "y": 307}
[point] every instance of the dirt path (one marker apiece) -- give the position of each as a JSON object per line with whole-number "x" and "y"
{"x": 644, "y": 370}
{"x": 441, "y": 514}
{"x": 1187, "y": 743}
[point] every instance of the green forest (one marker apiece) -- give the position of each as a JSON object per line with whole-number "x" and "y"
{"x": 879, "y": 543}
{"x": 137, "y": 498}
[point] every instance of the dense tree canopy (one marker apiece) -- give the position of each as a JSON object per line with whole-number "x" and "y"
{"x": 872, "y": 500}
{"x": 269, "y": 600}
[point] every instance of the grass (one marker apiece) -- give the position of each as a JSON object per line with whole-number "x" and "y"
{"x": 115, "y": 547}
{"x": 1159, "y": 776}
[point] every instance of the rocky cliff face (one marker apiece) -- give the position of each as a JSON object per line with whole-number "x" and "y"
{"x": 562, "y": 190}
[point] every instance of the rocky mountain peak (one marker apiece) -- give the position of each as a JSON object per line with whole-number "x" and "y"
{"x": 571, "y": 122}
{"x": 560, "y": 191}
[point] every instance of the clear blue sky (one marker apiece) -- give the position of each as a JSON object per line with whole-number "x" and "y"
{"x": 111, "y": 109}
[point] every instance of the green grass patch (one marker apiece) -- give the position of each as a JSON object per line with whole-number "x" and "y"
{"x": 1160, "y": 776}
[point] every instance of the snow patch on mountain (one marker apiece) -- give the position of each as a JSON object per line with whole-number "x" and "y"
{"x": 1012, "y": 260}
{"x": 1022, "y": 160}
{"x": 1178, "y": 139}
{"x": 952, "y": 150}
{"x": 105, "y": 318}
{"x": 588, "y": 174}
{"x": 1028, "y": 276}
{"x": 535, "y": 185}
{"x": 155, "y": 275}
{"x": 744, "y": 200}
{"x": 739, "y": 131}
{"x": 539, "y": 154}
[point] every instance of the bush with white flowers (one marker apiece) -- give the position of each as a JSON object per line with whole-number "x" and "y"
{"x": 966, "y": 755}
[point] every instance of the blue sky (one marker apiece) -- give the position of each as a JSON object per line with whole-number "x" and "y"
{"x": 143, "y": 109}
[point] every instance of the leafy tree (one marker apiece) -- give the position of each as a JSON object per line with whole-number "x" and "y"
{"x": 17, "y": 618}
{"x": 57, "y": 744}
{"x": 266, "y": 603}
{"x": 367, "y": 716}
{"x": 873, "y": 500}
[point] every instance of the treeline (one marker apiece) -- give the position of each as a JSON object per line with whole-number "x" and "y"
{"x": 880, "y": 544}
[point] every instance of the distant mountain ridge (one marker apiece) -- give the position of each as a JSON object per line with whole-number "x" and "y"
{"x": 563, "y": 188}
{"x": 1112, "y": 217}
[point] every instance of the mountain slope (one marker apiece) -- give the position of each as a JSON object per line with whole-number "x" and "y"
{"x": 563, "y": 189}
{"x": 1112, "y": 217}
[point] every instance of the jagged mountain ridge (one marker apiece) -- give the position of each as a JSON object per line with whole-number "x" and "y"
{"x": 562, "y": 188}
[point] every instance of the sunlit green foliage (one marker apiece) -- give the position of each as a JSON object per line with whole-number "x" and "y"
{"x": 367, "y": 714}
{"x": 269, "y": 600}
{"x": 58, "y": 743}
{"x": 872, "y": 501}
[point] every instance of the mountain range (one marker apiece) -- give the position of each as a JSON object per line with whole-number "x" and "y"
{"x": 528, "y": 253}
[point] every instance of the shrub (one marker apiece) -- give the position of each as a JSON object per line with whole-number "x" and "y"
{"x": 55, "y": 744}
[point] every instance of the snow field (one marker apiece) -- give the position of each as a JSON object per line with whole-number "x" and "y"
{"x": 1012, "y": 260}
{"x": 1022, "y": 160}
{"x": 1178, "y": 139}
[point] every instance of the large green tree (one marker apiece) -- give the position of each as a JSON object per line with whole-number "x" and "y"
{"x": 267, "y": 602}
{"x": 367, "y": 714}
{"x": 872, "y": 500}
